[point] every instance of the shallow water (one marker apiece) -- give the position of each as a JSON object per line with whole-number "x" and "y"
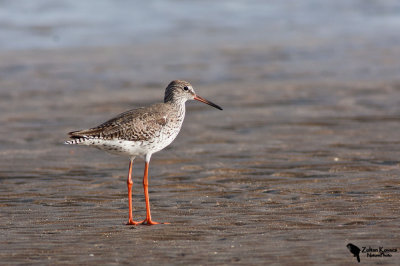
{"x": 302, "y": 160}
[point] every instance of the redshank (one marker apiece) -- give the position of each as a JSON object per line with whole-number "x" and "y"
{"x": 142, "y": 132}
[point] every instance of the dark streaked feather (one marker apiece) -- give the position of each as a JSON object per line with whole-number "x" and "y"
{"x": 135, "y": 125}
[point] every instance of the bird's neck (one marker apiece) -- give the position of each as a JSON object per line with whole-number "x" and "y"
{"x": 178, "y": 105}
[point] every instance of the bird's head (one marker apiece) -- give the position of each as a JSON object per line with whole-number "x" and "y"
{"x": 181, "y": 91}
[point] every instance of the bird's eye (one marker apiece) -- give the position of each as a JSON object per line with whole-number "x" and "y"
{"x": 186, "y": 88}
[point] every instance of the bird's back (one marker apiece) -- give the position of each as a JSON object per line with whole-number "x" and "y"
{"x": 150, "y": 128}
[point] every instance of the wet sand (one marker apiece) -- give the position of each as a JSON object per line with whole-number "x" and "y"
{"x": 303, "y": 159}
{"x": 291, "y": 171}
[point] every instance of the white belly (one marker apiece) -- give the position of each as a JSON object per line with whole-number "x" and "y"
{"x": 134, "y": 148}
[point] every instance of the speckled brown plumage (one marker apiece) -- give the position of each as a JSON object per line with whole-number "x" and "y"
{"x": 141, "y": 124}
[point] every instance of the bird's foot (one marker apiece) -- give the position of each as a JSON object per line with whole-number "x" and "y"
{"x": 150, "y": 222}
{"x": 132, "y": 222}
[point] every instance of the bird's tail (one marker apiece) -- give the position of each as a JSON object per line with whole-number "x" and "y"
{"x": 358, "y": 258}
{"x": 77, "y": 137}
{"x": 75, "y": 141}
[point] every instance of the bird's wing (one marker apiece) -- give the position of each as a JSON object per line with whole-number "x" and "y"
{"x": 136, "y": 125}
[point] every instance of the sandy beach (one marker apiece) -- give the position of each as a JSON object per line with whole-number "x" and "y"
{"x": 303, "y": 159}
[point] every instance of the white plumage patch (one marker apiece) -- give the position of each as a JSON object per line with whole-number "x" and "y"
{"x": 119, "y": 146}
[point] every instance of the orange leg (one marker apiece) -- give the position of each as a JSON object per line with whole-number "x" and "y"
{"x": 130, "y": 183}
{"x": 148, "y": 220}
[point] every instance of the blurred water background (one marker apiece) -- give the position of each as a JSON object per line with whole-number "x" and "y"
{"x": 43, "y": 24}
{"x": 303, "y": 160}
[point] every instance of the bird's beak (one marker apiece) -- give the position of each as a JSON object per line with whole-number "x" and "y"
{"x": 200, "y": 99}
